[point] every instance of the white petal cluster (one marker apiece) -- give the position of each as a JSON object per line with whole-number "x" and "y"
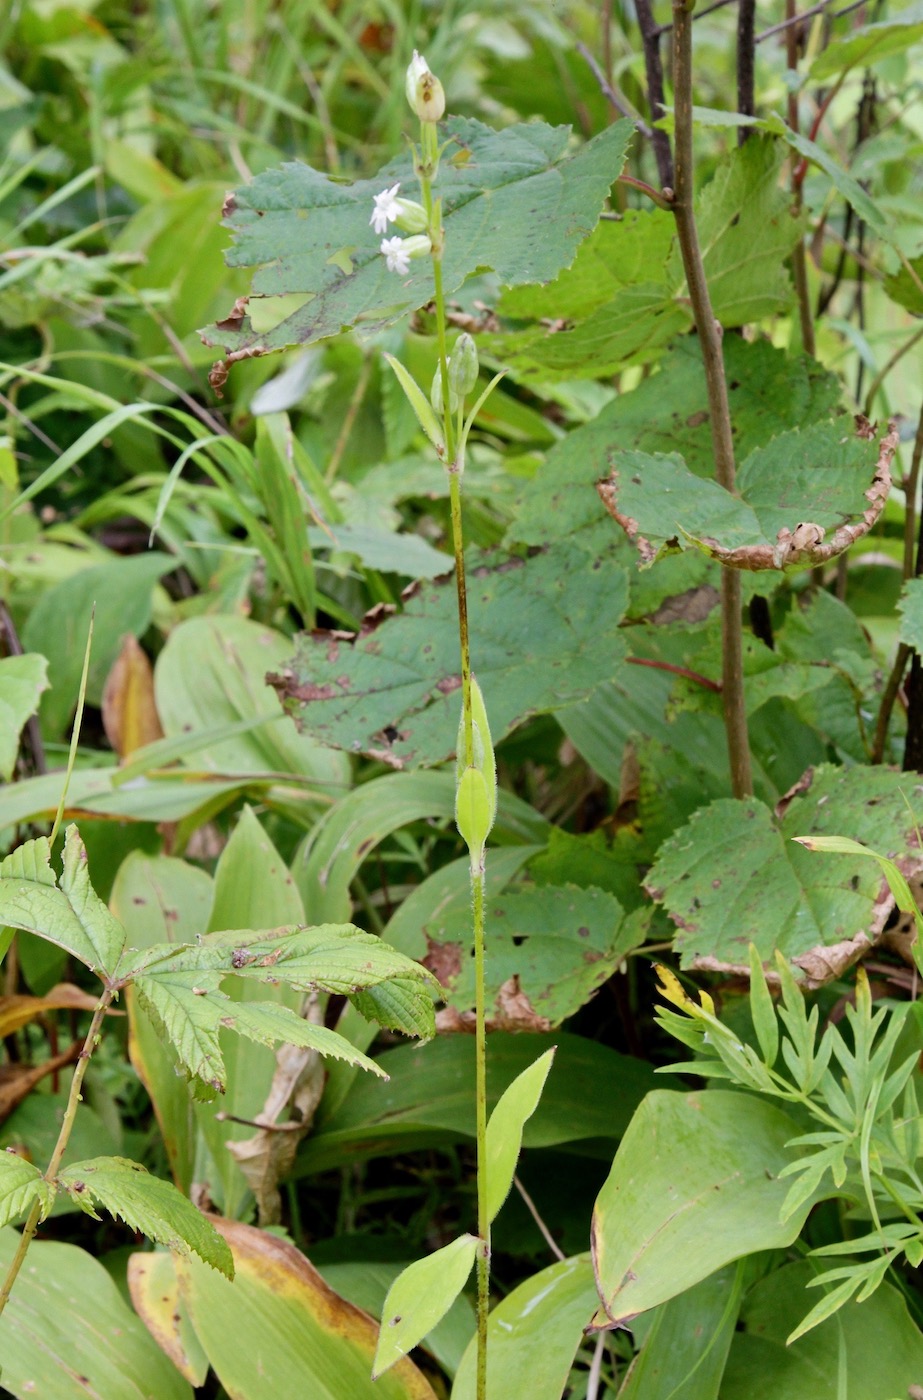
{"x": 387, "y": 208}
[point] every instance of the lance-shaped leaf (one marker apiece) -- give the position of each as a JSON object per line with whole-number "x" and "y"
{"x": 68, "y": 913}
{"x": 513, "y": 201}
{"x": 392, "y": 690}
{"x": 504, "y": 1130}
{"x": 694, "y": 1185}
{"x": 420, "y": 1297}
{"x": 21, "y": 1184}
{"x": 803, "y": 499}
{"x": 146, "y": 1203}
{"x": 733, "y": 876}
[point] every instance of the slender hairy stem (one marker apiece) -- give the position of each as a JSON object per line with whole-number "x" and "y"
{"x": 735, "y": 716}
{"x": 51, "y": 1171}
{"x": 746, "y": 106}
{"x": 455, "y": 466}
{"x": 799, "y": 257}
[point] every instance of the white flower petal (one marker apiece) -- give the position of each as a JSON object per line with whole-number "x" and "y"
{"x": 387, "y": 208}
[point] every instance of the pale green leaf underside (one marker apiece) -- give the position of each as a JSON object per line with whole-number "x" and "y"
{"x": 22, "y": 680}
{"x": 394, "y": 691}
{"x": 514, "y": 201}
{"x": 69, "y": 913}
{"x": 148, "y": 1204}
{"x": 504, "y": 1130}
{"x": 420, "y": 1297}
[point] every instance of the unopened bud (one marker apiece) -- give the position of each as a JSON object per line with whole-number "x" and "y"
{"x": 424, "y": 91}
{"x": 410, "y": 216}
{"x": 435, "y": 394}
{"x": 463, "y": 365}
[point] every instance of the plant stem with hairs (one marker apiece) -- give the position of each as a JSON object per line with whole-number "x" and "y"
{"x": 60, "y": 1147}
{"x": 735, "y": 717}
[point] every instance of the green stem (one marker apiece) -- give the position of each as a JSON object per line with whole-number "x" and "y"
{"x": 51, "y": 1171}
{"x": 480, "y": 1053}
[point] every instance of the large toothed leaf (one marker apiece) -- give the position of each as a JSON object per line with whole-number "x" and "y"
{"x": 393, "y": 690}
{"x": 179, "y": 1004}
{"x": 146, "y": 1203}
{"x": 21, "y": 1184}
{"x": 67, "y": 912}
{"x": 269, "y": 1023}
{"x": 769, "y": 393}
{"x": 733, "y": 875}
{"x": 514, "y": 201}
{"x": 803, "y": 498}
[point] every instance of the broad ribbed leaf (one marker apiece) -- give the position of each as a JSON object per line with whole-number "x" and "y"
{"x": 71, "y": 913}
{"x": 694, "y": 1185}
{"x": 392, "y": 691}
{"x": 21, "y": 1184}
{"x": 22, "y": 680}
{"x": 146, "y": 1203}
{"x": 514, "y": 201}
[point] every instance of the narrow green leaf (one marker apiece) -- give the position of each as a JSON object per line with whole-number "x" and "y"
{"x": 420, "y": 1297}
{"x": 146, "y": 1203}
{"x": 420, "y": 405}
{"x": 269, "y": 1023}
{"x": 504, "y": 1130}
{"x": 763, "y": 1010}
{"x": 21, "y": 1183}
{"x": 828, "y": 1305}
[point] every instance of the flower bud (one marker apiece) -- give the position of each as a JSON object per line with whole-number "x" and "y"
{"x": 435, "y": 394}
{"x": 463, "y": 365}
{"x": 410, "y": 216}
{"x": 424, "y": 92}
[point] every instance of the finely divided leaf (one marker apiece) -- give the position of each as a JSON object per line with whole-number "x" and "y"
{"x": 148, "y": 1204}
{"x": 70, "y": 914}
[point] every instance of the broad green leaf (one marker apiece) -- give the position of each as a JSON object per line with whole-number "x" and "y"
{"x": 121, "y": 592}
{"x": 280, "y": 1330}
{"x": 823, "y": 475}
{"x": 746, "y": 229}
{"x": 329, "y": 958}
{"x": 21, "y": 1184}
{"x": 733, "y": 876}
{"x": 161, "y": 899}
{"x": 504, "y": 1130}
{"x": 392, "y": 691}
{"x": 548, "y": 951}
{"x": 685, "y": 1350}
{"x": 22, "y": 680}
{"x": 694, "y": 1185}
{"x": 911, "y": 610}
{"x": 60, "y": 1351}
{"x": 835, "y": 1360}
{"x": 399, "y": 1005}
{"x": 154, "y": 1289}
{"x": 420, "y": 1297}
{"x": 513, "y": 201}
{"x": 98, "y": 792}
{"x": 668, "y": 412}
{"x": 182, "y": 1008}
{"x": 213, "y": 669}
{"x": 417, "y": 1108}
{"x": 377, "y": 548}
{"x": 270, "y": 1023}
{"x": 146, "y": 1203}
{"x": 68, "y": 913}
{"x": 534, "y": 1333}
{"x": 904, "y": 288}
{"x": 866, "y": 45}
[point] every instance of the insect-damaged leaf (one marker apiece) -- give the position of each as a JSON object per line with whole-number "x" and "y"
{"x": 514, "y": 201}
{"x": 393, "y": 690}
{"x": 803, "y": 499}
{"x": 733, "y": 875}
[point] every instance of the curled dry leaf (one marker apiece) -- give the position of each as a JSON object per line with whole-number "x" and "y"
{"x": 129, "y": 709}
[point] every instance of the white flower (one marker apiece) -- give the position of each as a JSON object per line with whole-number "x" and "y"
{"x": 387, "y": 208}
{"x": 399, "y": 251}
{"x": 397, "y": 259}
